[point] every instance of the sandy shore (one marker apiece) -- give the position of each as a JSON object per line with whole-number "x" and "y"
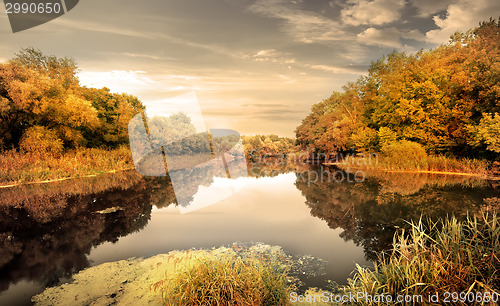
{"x": 121, "y": 282}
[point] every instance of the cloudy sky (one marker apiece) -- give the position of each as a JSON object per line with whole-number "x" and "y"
{"x": 255, "y": 65}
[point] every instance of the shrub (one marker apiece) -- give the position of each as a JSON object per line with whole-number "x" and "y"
{"x": 404, "y": 153}
{"x": 40, "y": 140}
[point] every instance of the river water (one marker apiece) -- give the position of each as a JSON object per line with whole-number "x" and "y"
{"x": 332, "y": 218}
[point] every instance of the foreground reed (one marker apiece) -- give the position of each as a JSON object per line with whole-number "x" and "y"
{"x": 451, "y": 256}
{"x": 226, "y": 280}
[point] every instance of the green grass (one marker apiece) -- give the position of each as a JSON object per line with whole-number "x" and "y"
{"x": 447, "y": 256}
{"x": 214, "y": 279}
{"x": 24, "y": 168}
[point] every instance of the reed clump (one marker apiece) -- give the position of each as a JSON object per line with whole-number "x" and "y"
{"x": 438, "y": 257}
{"x": 226, "y": 280}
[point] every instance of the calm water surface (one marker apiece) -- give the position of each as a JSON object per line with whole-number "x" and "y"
{"x": 114, "y": 217}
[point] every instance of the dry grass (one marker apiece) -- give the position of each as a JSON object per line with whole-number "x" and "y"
{"x": 23, "y": 168}
{"x": 222, "y": 279}
{"x": 447, "y": 256}
{"x": 432, "y": 163}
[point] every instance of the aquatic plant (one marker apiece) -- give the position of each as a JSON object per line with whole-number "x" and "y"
{"x": 225, "y": 279}
{"x": 438, "y": 257}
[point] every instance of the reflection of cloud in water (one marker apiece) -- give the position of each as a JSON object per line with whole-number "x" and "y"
{"x": 220, "y": 189}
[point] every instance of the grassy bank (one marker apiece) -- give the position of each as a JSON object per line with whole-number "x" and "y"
{"x": 432, "y": 257}
{"x": 222, "y": 276}
{"x": 24, "y": 168}
{"x": 447, "y": 256}
{"x": 427, "y": 163}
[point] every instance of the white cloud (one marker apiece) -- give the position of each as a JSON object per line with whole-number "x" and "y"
{"x": 336, "y": 69}
{"x": 116, "y": 81}
{"x": 267, "y": 53}
{"x": 274, "y": 56}
{"x": 376, "y": 12}
{"x": 147, "y": 56}
{"x": 461, "y": 16}
{"x": 287, "y": 79}
{"x": 146, "y": 35}
{"x": 304, "y": 26}
{"x": 388, "y": 37}
{"x": 408, "y": 49}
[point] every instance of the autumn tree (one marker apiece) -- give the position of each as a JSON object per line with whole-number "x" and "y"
{"x": 272, "y": 144}
{"x": 40, "y": 95}
{"x": 32, "y": 98}
{"x": 64, "y": 69}
{"x": 434, "y": 98}
{"x": 114, "y": 112}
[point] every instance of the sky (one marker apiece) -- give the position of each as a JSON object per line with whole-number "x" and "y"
{"x": 255, "y": 66}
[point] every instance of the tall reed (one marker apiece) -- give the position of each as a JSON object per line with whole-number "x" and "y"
{"x": 445, "y": 256}
{"x": 226, "y": 280}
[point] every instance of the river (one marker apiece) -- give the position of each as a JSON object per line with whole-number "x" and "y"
{"x": 332, "y": 221}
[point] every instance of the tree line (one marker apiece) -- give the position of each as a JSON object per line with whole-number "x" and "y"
{"x": 44, "y": 109}
{"x": 443, "y": 101}
{"x": 259, "y": 145}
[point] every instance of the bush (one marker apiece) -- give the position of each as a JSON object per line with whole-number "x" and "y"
{"x": 40, "y": 140}
{"x": 404, "y": 153}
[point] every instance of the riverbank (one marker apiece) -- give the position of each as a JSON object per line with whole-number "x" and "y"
{"x": 257, "y": 273}
{"x": 430, "y": 164}
{"x": 19, "y": 168}
{"x": 435, "y": 258}
{"x": 155, "y": 280}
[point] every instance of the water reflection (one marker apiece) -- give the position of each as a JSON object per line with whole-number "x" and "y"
{"x": 49, "y": 245}
{"x": 177, "y": 145}
{"x": 48, "y": 231}
{"x": 369, "y": 212}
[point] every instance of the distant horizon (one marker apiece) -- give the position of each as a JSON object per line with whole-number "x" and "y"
{"x": 256, "y": 66}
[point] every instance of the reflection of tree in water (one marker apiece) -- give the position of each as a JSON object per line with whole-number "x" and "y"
{"x": 46, "y": 247}
{"x": 370, "y": 211}
{"x": 273, "y": 167}
{"x": 44, "y": 202}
